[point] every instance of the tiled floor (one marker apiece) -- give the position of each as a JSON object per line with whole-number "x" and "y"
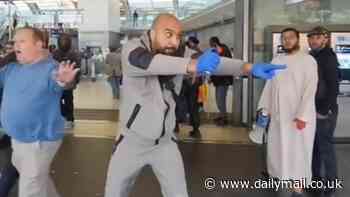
{"x": 94, "y": 95}
{"x": 98, "y": 95}
{"x": 210, "y": 133}
{"x": 81, "y": 165}
{"x": 95, "y": 129}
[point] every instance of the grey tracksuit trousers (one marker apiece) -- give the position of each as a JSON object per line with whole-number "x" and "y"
{"x": 136, "y": 152}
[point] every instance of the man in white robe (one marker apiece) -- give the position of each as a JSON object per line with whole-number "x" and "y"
{"x": 289, "y": 99}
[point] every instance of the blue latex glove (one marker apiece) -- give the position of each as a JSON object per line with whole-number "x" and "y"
{"x": 262, "y": 121}
{"x": 265, "y": 70}
{"x": 208, "y": 62}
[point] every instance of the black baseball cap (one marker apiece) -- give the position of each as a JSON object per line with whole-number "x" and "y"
{"x": 319, "y": 30}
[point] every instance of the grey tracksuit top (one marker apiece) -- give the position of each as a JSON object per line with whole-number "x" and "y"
{"x": 147, "y": 107}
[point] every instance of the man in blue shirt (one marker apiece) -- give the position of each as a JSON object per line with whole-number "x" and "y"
{"x": 34, "y": 123}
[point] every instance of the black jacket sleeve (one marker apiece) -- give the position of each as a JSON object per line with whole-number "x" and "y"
{"x": 8, "y": 59}
{"x": 330, "y": 76}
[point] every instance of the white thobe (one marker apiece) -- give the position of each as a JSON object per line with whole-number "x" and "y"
{"x": 289, "y": 96}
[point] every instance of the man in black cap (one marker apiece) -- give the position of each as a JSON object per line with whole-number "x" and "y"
{"x": 326, "y": 106}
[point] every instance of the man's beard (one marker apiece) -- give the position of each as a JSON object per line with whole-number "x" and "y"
{"x": 157, "y": 49}
{"x": 296, "y": 47}
{"x": 166, "y": 51}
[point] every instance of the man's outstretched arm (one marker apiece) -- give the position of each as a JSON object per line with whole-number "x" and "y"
{"x": 208, "y": 63}
{"x": 139, "y": 61}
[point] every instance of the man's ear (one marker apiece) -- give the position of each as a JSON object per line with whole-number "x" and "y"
{"x": 39, "y": 44}
{"x": 326, "y": 40}
{"x": 153, "y": 34}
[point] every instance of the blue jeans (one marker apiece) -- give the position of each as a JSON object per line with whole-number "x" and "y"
{"x": 324, "y": 151}
{"x": 114, "y": 81}
{"x": 221, "y": 93}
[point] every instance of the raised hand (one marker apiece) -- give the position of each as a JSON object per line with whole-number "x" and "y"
{"x": 66, "y": 72}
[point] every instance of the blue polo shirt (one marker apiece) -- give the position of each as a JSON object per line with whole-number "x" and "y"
{"x": 30, "y": 109}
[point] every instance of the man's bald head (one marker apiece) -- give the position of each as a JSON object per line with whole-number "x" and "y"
{"x": 164, "y": 18}
{"x": 166, "y": 34}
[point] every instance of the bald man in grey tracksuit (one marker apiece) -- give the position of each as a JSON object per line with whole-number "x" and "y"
{"x": 147, "y": 116}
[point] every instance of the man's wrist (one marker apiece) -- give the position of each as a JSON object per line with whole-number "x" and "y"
{"x": 60, "y": 83}
{"x": 247, "y": 68}
{"x": 191, "y": 67}
{"x": 188, "y": 68}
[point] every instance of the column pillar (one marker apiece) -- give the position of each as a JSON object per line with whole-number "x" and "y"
{"x": 101, "y": 23}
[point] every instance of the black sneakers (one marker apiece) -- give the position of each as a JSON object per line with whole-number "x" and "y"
{"x": 195, "y": 133}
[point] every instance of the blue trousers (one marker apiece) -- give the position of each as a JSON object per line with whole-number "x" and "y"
{"x": 324, "y": 151}
{"x": 220, "y": 94}
{"x": 114, "y": 81}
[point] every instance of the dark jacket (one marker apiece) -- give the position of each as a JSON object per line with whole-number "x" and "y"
{"x": 8, "y": 59}
{"x": 328, "y": 82}
{"x": 60, "y": 56}
{"x": 223, "y": 80}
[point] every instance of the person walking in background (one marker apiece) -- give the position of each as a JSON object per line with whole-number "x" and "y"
{"x": 221, "y": 83}
{"x": 135, "y": 18}
{"x": 97, "y": 64}
{"x": 114, "y": 70}
{"x": 65, "y": 53}
{"x": 86, "y": 55}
